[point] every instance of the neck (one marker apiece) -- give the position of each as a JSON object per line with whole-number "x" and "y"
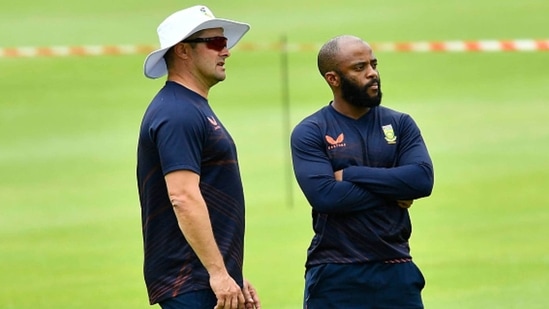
{"x": 349, "y": 110}
{"x": 190, "y": 83}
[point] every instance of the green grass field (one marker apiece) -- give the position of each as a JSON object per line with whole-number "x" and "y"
{"x": 70, "y": 234}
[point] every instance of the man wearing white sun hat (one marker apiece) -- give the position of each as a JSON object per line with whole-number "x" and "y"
{"x": 190, "y": 190}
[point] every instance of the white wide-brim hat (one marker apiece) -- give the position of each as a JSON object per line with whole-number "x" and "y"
{"x": 182, "y": 24}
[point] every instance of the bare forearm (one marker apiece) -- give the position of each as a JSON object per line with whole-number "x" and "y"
{"x": 194, "y": 221}
{"x": 195, "y": 225}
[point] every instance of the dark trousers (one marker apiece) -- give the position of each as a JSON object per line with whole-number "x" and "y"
{"x": 364, "y": 286}
{"x": 203, "y": 299}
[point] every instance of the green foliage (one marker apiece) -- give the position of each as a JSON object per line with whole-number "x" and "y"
{"x": 70, "y": 221}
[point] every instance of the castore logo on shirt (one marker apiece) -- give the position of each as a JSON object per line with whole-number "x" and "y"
{"x": 335, "y": 143}
{"x": 214, "y": 123}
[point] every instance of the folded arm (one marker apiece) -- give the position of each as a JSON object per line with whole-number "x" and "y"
{"x": 406, "y": 182}
{"x": 412, "y": 176}
{"x": 315, "y": 176}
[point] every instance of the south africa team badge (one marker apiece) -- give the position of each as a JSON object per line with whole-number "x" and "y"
{"x": 389, "y": 133}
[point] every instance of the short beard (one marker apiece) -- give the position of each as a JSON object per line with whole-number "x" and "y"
{"x": 358, "y": 96}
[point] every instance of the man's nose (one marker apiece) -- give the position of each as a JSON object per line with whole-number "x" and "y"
{"x": 371, "y": 73}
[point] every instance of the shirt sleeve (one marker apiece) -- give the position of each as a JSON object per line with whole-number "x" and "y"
{"x": 411, "y": 178}
{"x": 178, "y": 135}
{"x": 315, "y": 176}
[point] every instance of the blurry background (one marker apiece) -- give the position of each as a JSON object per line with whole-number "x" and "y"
{"x": 70, "y": 234}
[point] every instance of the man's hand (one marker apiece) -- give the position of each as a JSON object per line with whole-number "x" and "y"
{"x": 405, "y": 203}
{"x": 250, "y": 296}
{"x": 338, "y": 175}
{"x": 227, "y": 291}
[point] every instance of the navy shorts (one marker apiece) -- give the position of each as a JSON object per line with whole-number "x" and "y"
{"x": 203, "y": 299}
{"x": 364, "y": 286}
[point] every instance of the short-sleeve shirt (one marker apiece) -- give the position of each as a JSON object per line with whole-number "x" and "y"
{"x": 180, "y": 131}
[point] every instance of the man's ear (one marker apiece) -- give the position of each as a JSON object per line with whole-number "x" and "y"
{"x": 181, "y": 50}
{"x": 332, "y": 78}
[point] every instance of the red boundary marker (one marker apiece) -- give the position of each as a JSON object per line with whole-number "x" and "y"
{"x": 524, "y": 45}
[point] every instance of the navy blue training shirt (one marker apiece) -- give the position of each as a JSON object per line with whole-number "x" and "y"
{"x": 384, "y": 159}
{"x": 179, "y": 131}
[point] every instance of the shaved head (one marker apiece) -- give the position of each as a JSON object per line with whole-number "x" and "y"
{"x": 328, "y": 55}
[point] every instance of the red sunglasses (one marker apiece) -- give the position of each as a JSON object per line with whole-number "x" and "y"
{"x": 216, "y": 43}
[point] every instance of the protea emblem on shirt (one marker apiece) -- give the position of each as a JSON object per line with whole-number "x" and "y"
{"x": 389, "y": 133}
{"x": 335, "y": 143}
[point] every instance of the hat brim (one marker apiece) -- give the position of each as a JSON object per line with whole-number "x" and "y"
{"x": 155, "y": 66}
